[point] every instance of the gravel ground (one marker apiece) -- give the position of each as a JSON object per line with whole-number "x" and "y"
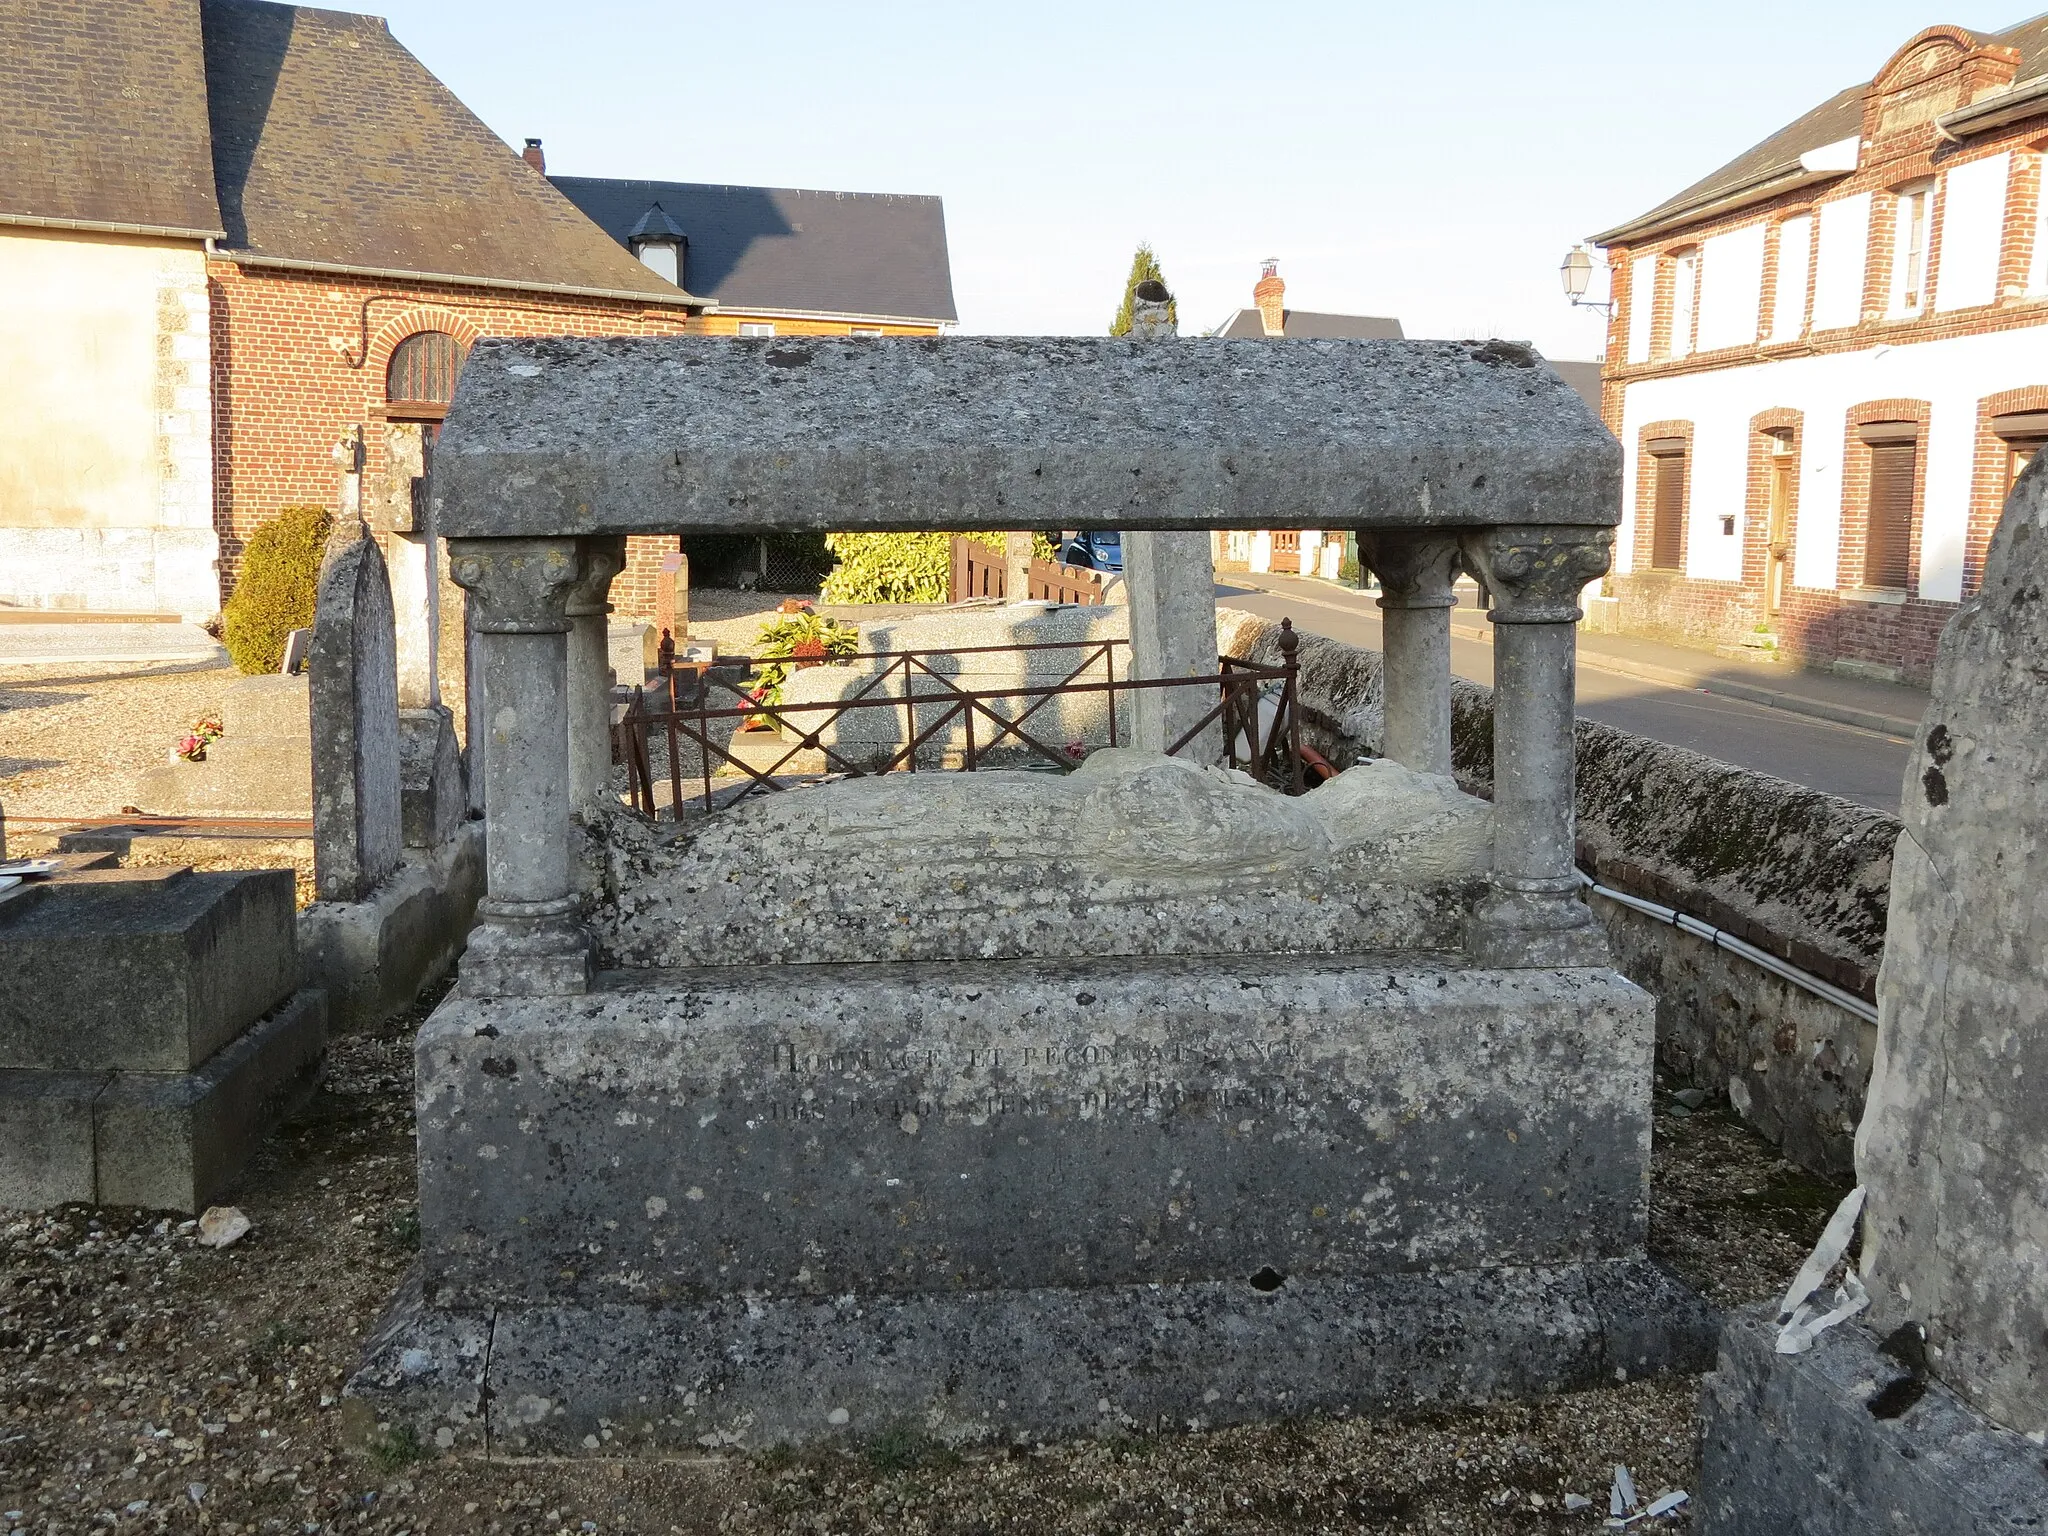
{"x": 71, "y": 742}
{"x": 151, "y": 1384}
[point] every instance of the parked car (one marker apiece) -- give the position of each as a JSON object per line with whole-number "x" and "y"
{"x": 1092, "y": 551}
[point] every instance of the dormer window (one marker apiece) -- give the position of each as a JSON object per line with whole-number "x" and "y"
{"x": 660, "y": 244}
{"x": 1909, "y": 249}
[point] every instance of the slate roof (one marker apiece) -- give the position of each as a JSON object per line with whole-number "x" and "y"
{"x": 784, "y": 249}
{"x": 1310, "y": 325}
{"x": 1582, "y": 376}
{"x": 334, "y": 145}
{"x": 103, "y": 115}
{"x": 1774, "y": 163}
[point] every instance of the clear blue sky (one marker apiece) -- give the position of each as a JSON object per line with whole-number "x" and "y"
{"x": 1433, "y": 162}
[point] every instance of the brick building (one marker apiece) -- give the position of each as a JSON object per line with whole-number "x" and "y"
{"x": 1826, "y": 362}
{"x": 235, "y": 234}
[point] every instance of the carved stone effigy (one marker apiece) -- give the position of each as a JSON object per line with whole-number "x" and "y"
{"x": 1012, "y": 1103}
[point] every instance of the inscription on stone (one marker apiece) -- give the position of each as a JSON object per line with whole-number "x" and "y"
{"x": 1029, "y": 1079}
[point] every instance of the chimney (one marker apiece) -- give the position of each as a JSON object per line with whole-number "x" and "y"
{"x": 532, "y": 156}
{"x": 1269, "y": 293}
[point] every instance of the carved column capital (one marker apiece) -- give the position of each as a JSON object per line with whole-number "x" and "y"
{"x": 1535, "y": 574}
{"x": 1416, "y": 569}
{"x": 602, "y": 560}
{"x": 517, "y": 586}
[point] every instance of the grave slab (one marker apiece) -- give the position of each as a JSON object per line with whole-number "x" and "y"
{"x": 141, "y": 970}
{"x": 1790, "y": 1444}
{"x": 261, "y": 767}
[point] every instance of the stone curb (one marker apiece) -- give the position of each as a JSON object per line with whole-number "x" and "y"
{"x": 1749, "y": 693}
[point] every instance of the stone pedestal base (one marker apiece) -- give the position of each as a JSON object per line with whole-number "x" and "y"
{"x": 981, "y": 1366}
{"x": 1790, "y": 1445}
{"x": 374, "y": 955}
{"x": 783, "y": 1202}
{"x": 161, "y": 1140}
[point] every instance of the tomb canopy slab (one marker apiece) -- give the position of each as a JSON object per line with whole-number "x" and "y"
{"x": 569, "y": 436}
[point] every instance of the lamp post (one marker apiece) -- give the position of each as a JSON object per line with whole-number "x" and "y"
{"x": 1577, "y": 271}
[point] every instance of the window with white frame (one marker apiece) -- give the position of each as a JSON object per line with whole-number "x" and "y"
{"x": 1685, "y": 299}
{"x": 756, "y": 328}
{"x": 1909, "y": 248}
{"x": 863, "y": 330}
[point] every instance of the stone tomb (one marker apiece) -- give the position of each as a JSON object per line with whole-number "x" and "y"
{"x": 152, "y": 1031}
{"x": 1006, "y": 1104}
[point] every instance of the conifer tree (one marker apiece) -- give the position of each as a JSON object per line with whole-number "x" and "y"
{"x": 1144, "y": 269}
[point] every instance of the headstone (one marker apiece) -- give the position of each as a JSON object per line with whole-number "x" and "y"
{"x": 353, "y": 666}
{"x": 1918, "y": 1435}
{"x": 672, "y": 597}
{"x": 433, "y": 800}
{"x": 294, "y": 660}
{"x": 1171, "y": 580}
{"x": 1017, "y": 567}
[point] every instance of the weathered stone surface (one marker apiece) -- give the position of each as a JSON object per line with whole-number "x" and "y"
{"x": 1954, "y": 1144}
{"x": 261, "y": 766}
{"x": 173, "y": 1141}
{"x": 813, "y": 1130}
{"x": 433, "y": 799}
{"x": 1131, "y": 855}
{"x": 1790, "y": 1445}
{"x": 161, "y": 1140}
{"x": 1171, "y": 580}
{"x": 353, "y": 667}
{"x": 141, "y": 970}
{"x": 373, "y": 956}
{"x": 977, "y": 1366}
{"x": 569, "y": 436}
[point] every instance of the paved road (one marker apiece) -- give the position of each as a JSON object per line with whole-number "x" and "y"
{"x": 1858, "y": 765}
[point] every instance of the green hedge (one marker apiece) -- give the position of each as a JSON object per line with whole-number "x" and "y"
{"x": 901, "y": 567}
{"x": 274, "y": 596}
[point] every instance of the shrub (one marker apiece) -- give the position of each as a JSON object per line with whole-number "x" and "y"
{"x": 280, "y": 578}
{"x": 901, "y": 567}
{"x": 798, "y": 640}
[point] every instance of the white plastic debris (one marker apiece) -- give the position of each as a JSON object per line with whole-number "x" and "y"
{"x": 222, "y": 1225}
{"x": 1664, "y": 1503}
{"x": 1621, "y": 1495}
{"x": 1834, "y": 1242}
{"x": 1808, "y": 1322}
{"x": 1574, "y": 1502}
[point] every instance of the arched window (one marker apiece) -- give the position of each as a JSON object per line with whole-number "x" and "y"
{"x": 421, "y": 378}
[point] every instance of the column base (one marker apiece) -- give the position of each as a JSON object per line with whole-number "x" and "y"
{"x": 514, "y": 954}
{"x": 1535, "y": 930}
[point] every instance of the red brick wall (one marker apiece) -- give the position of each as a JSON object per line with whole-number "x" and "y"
{"x": 285, "y": 390}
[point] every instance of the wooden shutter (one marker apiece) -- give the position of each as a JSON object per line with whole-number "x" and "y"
{"x": 1667, "y": 516}
{"x": 1887, "y": 541}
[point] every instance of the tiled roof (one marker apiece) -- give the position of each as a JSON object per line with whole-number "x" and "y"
{"x": 334, "y": 145}
{"x": 782, "y": 249}
{"x": 1308, "y": 325}
{"x": 1839, "y": 117}
{"x": 103, "y": 115}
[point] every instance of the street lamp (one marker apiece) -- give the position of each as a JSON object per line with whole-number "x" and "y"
{"x": 1577, "y": 271}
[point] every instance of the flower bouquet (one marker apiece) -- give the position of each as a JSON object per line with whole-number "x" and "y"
{"x": 192, "y": 745}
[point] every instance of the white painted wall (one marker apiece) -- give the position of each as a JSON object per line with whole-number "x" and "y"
{"x": 1731, "y": 288}
{"x": 1795, "y": 268}
{"x": 1843, "y": 248}
{"x": 106, "y": 423}
{"x": 1952, "y": 375}
{"x": 1972, "y": 230}
{"x": 1642, "y": 306}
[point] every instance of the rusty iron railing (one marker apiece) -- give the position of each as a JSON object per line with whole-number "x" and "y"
{"x": 679, "y": 710}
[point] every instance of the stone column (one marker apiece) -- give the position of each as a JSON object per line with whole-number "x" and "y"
{"x": 1535, "y": 916}
{"x": 1171, "y": 580}
{"x": 590, "y": 669}
{"x": 1415, "y": 571}
{"x": 1016, "y": 567}
{"x": 527, "y": 942}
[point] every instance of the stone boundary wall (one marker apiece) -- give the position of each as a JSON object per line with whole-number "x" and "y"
{"x": 1800, "y": 874}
